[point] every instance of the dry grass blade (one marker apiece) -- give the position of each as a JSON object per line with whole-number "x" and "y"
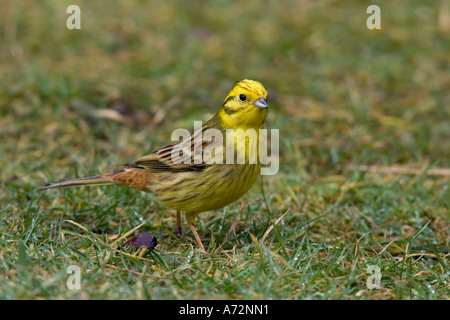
{"x": 400, "y": 170}
{"x": 136, "y": 272}
{"x": 273, "y": 225}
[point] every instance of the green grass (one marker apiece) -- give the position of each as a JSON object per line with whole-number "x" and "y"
{"x": 79, "y": 102}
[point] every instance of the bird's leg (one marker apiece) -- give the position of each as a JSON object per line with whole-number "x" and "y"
{"x": 177, "y": 231}
{"x": 190, "y": 218}
{"x": 197, "y": 238}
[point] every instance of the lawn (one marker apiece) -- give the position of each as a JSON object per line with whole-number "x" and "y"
{"x": 364, "y": 126}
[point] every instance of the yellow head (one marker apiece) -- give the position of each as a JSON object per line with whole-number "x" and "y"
{"x": 245, "y": 106}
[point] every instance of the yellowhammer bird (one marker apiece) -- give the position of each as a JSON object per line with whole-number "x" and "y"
{"x": 198, "y": 185}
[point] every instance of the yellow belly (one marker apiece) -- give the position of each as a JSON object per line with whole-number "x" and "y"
{"x": 210, "y": 189}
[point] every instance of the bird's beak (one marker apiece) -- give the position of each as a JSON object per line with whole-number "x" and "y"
{"x": 261, "y": 103}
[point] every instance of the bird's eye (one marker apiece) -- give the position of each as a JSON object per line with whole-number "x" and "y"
{"x": 242, "y": 97}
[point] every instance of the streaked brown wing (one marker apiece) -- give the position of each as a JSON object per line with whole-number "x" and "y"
{"x": 178, "y": 157}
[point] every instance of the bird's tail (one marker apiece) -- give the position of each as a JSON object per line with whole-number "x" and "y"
{"x": 91, "y": 181}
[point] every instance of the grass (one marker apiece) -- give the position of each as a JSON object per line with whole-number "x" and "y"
{"x": 79, "y": 102}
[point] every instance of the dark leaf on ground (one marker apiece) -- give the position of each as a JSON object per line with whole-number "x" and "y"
{"x": 144, "y": 239}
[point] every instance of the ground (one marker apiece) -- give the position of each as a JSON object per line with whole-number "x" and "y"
{"x": 353, "y": 105}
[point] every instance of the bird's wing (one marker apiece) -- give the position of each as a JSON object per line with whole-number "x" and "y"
{"x": 186, "y": 155}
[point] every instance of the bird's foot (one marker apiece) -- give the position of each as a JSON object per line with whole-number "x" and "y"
{"x": 178, "y": 232}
